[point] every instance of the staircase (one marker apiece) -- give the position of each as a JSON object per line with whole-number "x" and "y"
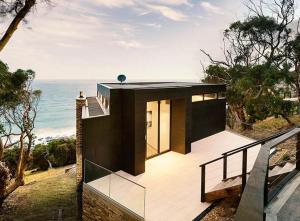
{"x": 233, "y": 186}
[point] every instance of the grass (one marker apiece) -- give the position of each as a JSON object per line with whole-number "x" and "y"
{"x": 269, "y": 126}
{"x": 42, "y": 197}
{"x": 33, "y": 175}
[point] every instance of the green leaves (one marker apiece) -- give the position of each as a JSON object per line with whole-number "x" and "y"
{"x": 14, "y": 85}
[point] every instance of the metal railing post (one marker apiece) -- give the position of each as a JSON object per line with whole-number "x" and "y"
{"x": 244, "y": 169}
{"x": 203, "y": 183}
{"x": 298, "y": 151}
{"x": 225, "y": 167}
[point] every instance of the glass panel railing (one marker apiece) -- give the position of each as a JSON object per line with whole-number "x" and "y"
{"x": 118, "y": 188}
{"x": 127, "y": 193}
{"x": 97, "y": 177}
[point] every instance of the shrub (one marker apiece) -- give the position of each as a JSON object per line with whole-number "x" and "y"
{"x": 11, "y": 157}
{"x": 59, "y": 152}
{"x": 39, "y": 155}
{"x": 4, "y": 177}
{"x": 62, "y": 152}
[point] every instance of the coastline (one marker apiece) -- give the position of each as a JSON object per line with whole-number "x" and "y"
{"x": 45, "y": 135}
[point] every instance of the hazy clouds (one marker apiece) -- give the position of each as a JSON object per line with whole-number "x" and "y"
{"x": 149, "y": 39}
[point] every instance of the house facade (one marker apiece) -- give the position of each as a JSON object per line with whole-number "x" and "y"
{"x": 126, "y": 124}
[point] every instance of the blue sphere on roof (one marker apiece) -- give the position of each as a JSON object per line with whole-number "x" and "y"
{"x": 121, "y": 78}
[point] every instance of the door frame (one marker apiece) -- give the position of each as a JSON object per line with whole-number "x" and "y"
{"x": 158, "y": 129}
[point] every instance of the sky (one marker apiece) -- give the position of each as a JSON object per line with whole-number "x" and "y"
{"x": 99, "y": 39}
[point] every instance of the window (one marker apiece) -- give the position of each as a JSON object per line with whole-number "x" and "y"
{"x": 211, "y": 96}
{"x": 196, "y": 98}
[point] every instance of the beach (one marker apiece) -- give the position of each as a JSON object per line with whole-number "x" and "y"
{"x": 56, "y": 112}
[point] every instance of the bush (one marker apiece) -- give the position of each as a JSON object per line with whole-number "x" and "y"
{"x": 59, "y": 152}
{"x": 39, "y": 155}
{"x": 11, "y": 157}
{"x": 4, "y": 177}
{"x": 62, "y": 152}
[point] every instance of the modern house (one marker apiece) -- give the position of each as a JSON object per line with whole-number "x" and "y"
{"x": 126, "y": 124}
{"x": 160, "y": 151}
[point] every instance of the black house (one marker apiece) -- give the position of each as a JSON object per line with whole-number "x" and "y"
{"x": 125, "y": 124}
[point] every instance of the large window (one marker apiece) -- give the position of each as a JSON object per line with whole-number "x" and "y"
{"x": 158, "y": 127}
{"x": 196, "y": 98}
{"x": 207, "y": 96}
{"x": 210, "y": 96}
{"x": 164, "y": 123}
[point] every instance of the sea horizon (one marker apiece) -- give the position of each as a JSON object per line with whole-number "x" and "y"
{"x": 56, "y": 111}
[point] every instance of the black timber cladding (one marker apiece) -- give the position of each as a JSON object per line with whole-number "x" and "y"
{"x": 117, "y": 141}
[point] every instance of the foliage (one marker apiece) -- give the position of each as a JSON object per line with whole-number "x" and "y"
{"x": 18, "y": 110}
{"x": 256, "y": 68}
{"x": 18, "y": 10}
{"x": 11, "y": 157}
{"x": 59, "y": 152}
{"x": 4, "y": 177}
{"x": 39, "y": 155}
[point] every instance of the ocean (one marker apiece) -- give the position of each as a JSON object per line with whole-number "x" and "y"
{"x": 56, "y": 111}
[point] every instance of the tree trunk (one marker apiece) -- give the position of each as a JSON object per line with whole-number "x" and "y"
{"x": 1, "y": 148}
{"x": 15, "y": 22}
{"x": 20, "y": 172}
{"x": 21, "y": 162}
{"x": 11, "y": 188}
{"x": 240, "y": 118}
{"x": 288, "y": 120}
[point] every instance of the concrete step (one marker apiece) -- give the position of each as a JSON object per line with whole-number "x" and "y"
{"x": 274, "y": 171}
{"x": 285, "y": 206}
{"x": 288, "y": 167}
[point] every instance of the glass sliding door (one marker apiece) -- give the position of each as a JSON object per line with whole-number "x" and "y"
{"x": 152, "y": 128}
{"x": 158, "y": 127}
{"x": 164, "y": 126}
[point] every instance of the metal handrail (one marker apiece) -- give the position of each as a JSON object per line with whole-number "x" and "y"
{"x": 244, "y": 150}
{"x": 255, "y": 195}
{"x": 264, "y": 140}
{"x": 253, "y": 144}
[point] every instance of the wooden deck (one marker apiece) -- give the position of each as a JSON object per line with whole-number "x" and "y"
{"x": 172, "y": 180}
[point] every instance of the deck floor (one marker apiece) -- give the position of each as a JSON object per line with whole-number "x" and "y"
{"x": 172, "y": 180}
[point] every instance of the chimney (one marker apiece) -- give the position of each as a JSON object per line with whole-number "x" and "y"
{"x": 80, "y": 102}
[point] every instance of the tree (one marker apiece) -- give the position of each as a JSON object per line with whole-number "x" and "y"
{"x": 18, "y": 109}
{"x": 19, "y": 9}
{"x": 255, "y": 65}
{"x": 293, "y": 53}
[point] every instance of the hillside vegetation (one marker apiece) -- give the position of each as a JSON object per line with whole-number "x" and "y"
{"x": 44, "y": 196}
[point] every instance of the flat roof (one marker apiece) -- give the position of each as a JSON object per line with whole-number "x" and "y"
{"x": 145, "y": 85}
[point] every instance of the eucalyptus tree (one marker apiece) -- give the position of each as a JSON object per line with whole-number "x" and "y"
{"x": 18, "y": 10}
{"x": 255, "y": 66}
{"x": 18, "y": 110}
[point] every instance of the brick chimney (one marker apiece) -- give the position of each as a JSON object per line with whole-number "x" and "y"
{"x": 80, "y": 102}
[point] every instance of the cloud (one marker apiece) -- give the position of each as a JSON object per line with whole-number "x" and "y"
{"x": 212, "y": 8}
{"x": 129, "y": 44}
{"x": 115, "y": 3}
{"x": 154, "y": 25}
{"x": 168, "y": 12}
{"x": 145, "y": 7}
{"x": 171, "y": 2}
